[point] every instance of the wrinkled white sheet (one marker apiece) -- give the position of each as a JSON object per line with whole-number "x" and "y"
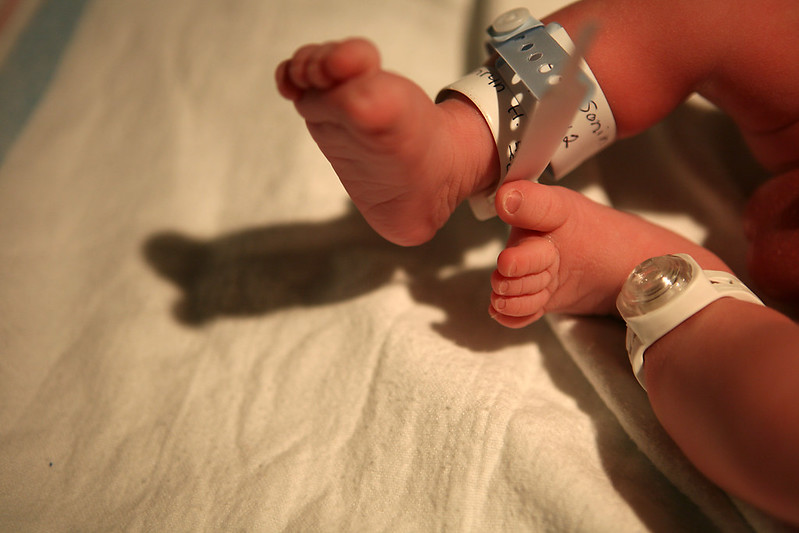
{"x": 197, "y": 332}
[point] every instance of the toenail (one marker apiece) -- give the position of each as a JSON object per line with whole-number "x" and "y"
{"x": 512, "y": 269}
{"x": 503, "y": 287}
{"x": 499, "y": 305}
{"x": 512, "y": 201}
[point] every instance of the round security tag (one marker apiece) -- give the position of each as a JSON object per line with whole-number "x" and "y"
{"x": 663, "y": 292}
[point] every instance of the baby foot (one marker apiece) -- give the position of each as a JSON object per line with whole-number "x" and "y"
{"x": 569, "y": 254}
{"x": 390, "y": 145}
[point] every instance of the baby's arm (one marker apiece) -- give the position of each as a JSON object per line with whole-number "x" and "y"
{"x": 724, "y": 386}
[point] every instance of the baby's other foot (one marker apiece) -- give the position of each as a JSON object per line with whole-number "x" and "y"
{"x": 393, "y": 149}
{"x": 569, "y": 254}
{"x": 527, "y": 282}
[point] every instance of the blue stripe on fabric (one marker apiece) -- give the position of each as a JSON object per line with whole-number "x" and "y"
{"x": 30, "y": 65}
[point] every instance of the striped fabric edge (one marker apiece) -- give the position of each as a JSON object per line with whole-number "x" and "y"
{"x": 33, "y": 37}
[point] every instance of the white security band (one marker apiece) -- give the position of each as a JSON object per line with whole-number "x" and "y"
{"x": 592, "y": 128}
{"x": 649, "y": 319}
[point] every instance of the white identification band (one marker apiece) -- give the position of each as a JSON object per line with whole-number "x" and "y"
{"x": 529, "y": 64}
{"x": 663, "y": 292}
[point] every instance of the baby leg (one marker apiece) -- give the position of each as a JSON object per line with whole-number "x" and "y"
{"x": 567, "y": 253}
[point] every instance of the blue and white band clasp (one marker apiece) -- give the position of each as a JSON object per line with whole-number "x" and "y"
{"x": 543, "y": 106}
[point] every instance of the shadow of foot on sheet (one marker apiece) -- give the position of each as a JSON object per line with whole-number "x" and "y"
{"x": 263, "y": 270}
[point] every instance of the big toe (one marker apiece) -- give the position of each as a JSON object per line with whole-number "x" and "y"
{"x": 351, "y": 58}
{"x": 533, "y": 206}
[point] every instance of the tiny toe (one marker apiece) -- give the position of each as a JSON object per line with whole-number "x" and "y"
{"x": 315, "y": 71}
{"x": 513, "y": 322}
{"x": 298, "y": 66}
{"x": 351, "y": 58}
{"x": 285, "y": 86}
{"x": 530, "y": 255}
{"x": 520, "y": 306}
{"x": 534, "y": 206}
{"x": 529, "y": 284}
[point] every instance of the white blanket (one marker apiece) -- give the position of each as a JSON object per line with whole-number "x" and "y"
{"x": 198, "y": 332}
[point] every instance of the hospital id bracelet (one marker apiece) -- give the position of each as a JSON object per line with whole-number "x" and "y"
{"x": 540, "y": 100}
{"x": 663, "y": 292}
